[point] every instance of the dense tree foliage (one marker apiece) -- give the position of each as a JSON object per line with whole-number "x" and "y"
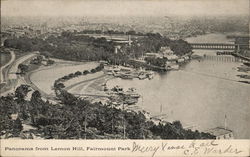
{"x": 77, "y": 46}
{"x": 77, "y": 118}
{"x": 180, "y": 47}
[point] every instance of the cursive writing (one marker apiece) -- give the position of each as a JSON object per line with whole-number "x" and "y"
{"x": 154, "y": 149}
{"x": 229, "y": 149}
{"x": 209, "y": 148}
{"x": 144, "y": 149}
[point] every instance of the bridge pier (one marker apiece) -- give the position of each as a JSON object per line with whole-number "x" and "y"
{"x": 217, "y": 46}
{"x": 223, "y": 58}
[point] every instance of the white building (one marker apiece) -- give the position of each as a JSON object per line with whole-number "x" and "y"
{"x": 166, "y": 51}
{"x": 221, "y": 133}
{"x": 154, "y": 55}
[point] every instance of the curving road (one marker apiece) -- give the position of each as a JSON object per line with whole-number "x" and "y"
{"x": 13, "y": 57}
{"x": 11, "y": 72}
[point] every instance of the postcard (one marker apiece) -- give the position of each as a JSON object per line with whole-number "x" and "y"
{"x": 125, "y": 78}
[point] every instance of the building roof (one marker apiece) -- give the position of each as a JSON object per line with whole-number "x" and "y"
{"x": 218, "y": 131}
{"x": 172, "y": 57}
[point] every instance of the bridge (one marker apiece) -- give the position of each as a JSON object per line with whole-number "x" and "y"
{"x": 218, "y": 46}
{"x": 91, "y": 95}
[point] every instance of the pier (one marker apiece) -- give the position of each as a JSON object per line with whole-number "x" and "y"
{"x": 91, "y": 95}
{"x": 137, "y": 63}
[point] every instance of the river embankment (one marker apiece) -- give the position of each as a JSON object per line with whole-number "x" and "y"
{"x": 200, "y": 94}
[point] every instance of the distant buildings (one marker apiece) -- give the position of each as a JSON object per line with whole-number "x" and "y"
{"x": 30, "y": 32}
{"x": 243, "y": 42}
{"x": 166, "y": 52}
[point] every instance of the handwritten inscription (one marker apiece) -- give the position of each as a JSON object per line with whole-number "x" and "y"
{"x": 154, "y": 149}
{"x": 194, "y": 148}
{"x": 209, "y": 148}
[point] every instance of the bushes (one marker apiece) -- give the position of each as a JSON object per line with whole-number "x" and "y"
{"x": 85, "y": 72}
{"x": 100, "y": 67}
{"x": 78, "y": 73}
{"x": 93, "y": 71}
{"x": 59, "y": 85}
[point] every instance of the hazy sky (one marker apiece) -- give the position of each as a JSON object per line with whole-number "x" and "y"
{"x": 122, "y": 7}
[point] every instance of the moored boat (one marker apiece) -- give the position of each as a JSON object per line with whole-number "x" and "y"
{"x": 131, "y": 93}
{"x": 130, "y": 101}
{"x": 127, "y": 76}
{"x": 142, "y": 76}
{"x": 150, "y": 75}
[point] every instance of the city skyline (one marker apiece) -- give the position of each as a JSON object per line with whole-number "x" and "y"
{"x": 123, "y": 8}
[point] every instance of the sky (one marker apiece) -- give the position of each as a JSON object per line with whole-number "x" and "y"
{"x": 123, "y": 7}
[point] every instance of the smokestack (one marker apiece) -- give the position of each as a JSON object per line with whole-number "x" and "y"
{"x": 225, "y": 122}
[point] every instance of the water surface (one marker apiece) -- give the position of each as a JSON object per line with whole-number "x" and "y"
{"x": 200, "y": 94}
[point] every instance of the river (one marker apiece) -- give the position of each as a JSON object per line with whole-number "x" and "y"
{"x": 200, "y": 94}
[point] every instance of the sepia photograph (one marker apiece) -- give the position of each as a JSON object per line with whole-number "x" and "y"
{"x": 124, "y": 70}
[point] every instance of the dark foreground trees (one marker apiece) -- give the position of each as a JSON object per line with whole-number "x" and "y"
{"x": 77, "y": 118}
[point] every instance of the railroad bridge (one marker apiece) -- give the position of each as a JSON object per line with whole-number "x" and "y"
{"x": 219, "y": 46}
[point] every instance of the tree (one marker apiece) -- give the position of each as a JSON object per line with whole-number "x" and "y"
{"x": 36, "y": 105}
{"x": 22, "y": 91}
{"x": 50, "y": 62}
{"x": 93, "y": 70}
{"x": 23, "y": 68}
{"x": 17, "y": 127}
{"x": 180, "y": 47}
{"x": 58, "y": 85}
{"x": 67, "y": 98}
{"x": 78, "y": 73}
{"x": 85, "y": 72}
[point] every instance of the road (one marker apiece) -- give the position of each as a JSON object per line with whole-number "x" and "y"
{"x": 11, "y": 72}
{"x": 12, "y": 59}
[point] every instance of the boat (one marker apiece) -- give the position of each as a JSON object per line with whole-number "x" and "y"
{"x": 131, "y": 93}
{"x": 142, "y": 76}
{"x": 130, "y": 101}
{"x": 150, "y": 75}
{"x": 127, "y": 76}
{"x": 117, "y": 74}
{"x": 172, "y": 67}
{"x": 109, "y": 73}
{"x": 117, "y": 89}
{"x": 175, "y": 67}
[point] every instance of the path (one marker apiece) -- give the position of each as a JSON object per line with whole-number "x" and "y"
{"x": 4, "y": 75}
{"x": 11, "y": 72}
{"x": 78, "y": 83}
